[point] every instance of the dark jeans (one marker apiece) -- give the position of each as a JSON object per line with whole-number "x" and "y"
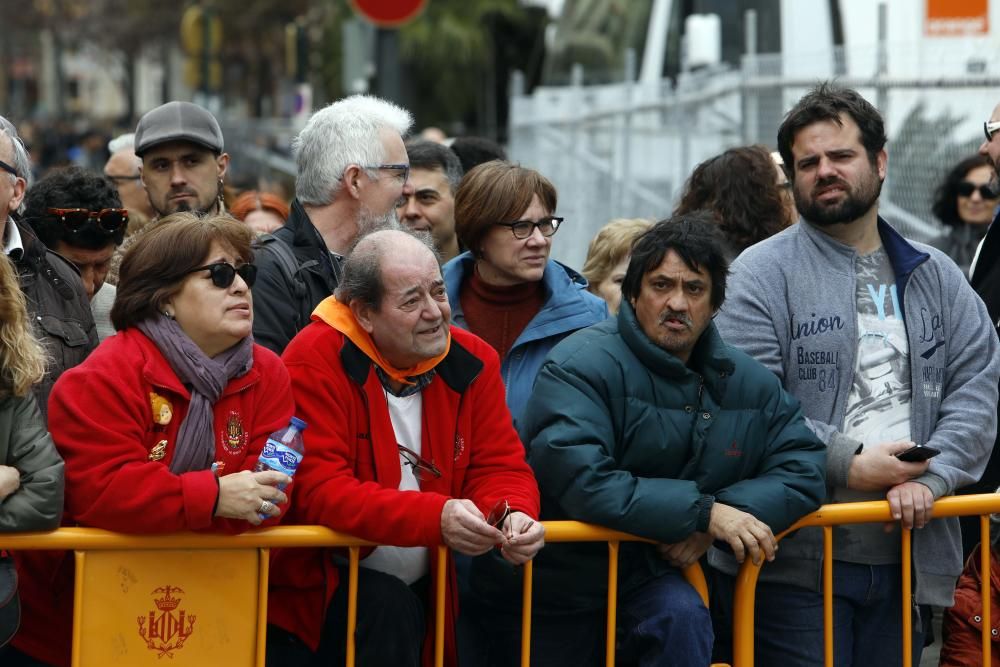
{"x": 662, "y": 623}
{"x": 389, "y": 632}
{"x": 867, "y": 620}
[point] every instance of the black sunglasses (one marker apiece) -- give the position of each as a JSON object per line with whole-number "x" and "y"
{"x": 223, "y": 273}
{"x": 522, "y": 229}
{"x": 109, "y": 220}
{"x": 966, "y": 188}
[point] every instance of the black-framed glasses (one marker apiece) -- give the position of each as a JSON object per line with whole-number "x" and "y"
{"x": 223, "y": 273}
{"x": 522, "y": 229}
{"x": 990, "y": 128}
{"x": 423, "y": 469}
{"x": 8, "y": 168}
{"x": 402, "y": 169}
{"x": 966, "y": 188}
{"x": 109, "y": 220}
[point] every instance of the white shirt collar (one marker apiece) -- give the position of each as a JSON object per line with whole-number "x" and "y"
{"x": 12, "y": 242}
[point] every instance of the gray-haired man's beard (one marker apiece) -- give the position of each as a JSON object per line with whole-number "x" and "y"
{"x": 368, "y": 222}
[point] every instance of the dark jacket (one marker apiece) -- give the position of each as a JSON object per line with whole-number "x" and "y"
{"x": 960, "y": 242}
{"x": 622, "y": 434}
{"x": 58, "y": 306}
{"x": 282, "y": 304}
{"x": 25, "y": 444}
{"x": 985, "y": 279}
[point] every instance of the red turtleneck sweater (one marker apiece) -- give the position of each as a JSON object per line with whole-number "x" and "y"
{"x": 498, "y": 314}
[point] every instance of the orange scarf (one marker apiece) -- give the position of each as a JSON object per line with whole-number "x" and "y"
{"x": 340, "y": 317}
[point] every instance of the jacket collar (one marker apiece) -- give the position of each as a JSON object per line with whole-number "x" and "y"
{"x": 709, "y": 358}
{"x": 301, "y": 229}
{"x": 458, "y": 369}
{"x": 903, "y": 256}
{"x": 565, "y": 308}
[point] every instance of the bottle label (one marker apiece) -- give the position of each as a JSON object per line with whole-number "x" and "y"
{"x": 280, "y": 457}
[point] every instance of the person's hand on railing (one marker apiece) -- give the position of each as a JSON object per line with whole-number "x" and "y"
{"x": 743, "y": 532}
{"x": 523, "y": 537}
{"x": 10, "y": 481}
{"x": 686, "y": 552}
{"x": 247, "y": 495}
{"x": 464, "y": 528}
{"x": 876, "y": 468}
{"x": 912, "y": 503}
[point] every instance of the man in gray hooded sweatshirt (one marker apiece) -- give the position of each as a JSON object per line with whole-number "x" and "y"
{"x": 885, "y": 345}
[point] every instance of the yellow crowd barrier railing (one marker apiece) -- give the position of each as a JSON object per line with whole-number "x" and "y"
{"x": 116, "y": 574}
{"x": 113, "y": 568}
{"x": 829, "y": 516}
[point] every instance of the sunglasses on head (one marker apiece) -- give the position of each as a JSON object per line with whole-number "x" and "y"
{"x": 109, "y": 220}
{"x": 966, "y": 188}
{"x": 223, "y": 273}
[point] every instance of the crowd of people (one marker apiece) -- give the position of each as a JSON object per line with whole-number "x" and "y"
{"x": 702, "y": 382}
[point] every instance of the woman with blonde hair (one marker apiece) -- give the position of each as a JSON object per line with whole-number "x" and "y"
{"x": 31, "y": 471}
{"x": 608, "y": 255}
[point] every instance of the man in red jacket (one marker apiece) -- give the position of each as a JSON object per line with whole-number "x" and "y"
{"x": 410, "y": 445}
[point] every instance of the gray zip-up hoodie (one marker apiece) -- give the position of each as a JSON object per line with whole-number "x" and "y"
{"x": 791, "y": 304}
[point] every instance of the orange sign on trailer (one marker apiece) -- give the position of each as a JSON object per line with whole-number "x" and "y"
{"x": 953, "y": 18}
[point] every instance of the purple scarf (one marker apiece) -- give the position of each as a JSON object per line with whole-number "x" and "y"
{"x": 206, "y": 378}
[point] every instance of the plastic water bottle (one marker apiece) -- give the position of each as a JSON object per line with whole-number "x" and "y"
{"x": 283, "y": 451}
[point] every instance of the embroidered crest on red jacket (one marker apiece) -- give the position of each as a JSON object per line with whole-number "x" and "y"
{"x": 234, "y": 437}
{"x": 459, "y": 446}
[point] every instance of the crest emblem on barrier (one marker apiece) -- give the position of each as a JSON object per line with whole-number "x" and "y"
{"x": 167, "y": 627}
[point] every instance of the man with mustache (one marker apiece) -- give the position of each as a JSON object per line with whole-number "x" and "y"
{"x": 183, "y": 164}
{"x": 410, "y": 446}
{"x": 886, "y": 346}
{"x": 352, "y": 173}
{"x": 650, "y": 424}
{"x": 182, "y": 167}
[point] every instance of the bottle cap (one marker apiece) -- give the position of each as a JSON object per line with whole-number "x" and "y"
{"x": 298, "y": 423}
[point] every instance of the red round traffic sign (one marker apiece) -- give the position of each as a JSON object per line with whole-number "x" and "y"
{"x": 389, "y": 13}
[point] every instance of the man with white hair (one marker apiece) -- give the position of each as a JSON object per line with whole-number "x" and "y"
{"x": 57, "y": 302}
{"x": 122, "y": 169}
{"x": 352, "y": 172}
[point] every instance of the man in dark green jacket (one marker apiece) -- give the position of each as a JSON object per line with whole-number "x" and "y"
{"x": 650, "y": 424}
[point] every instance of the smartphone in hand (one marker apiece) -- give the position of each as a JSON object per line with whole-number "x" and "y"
{"x": 917, "y": 453}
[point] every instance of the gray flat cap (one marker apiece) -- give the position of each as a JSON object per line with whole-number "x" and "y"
{"x": 178, "y": 121}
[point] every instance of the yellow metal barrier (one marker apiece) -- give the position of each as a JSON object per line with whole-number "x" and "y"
{"x": 870, "y": 512}
{"x": 151, "y": 548}
{"x": 99, "y": 555}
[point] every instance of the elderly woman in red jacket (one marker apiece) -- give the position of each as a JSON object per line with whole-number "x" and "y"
{"x": 162, "y": 424}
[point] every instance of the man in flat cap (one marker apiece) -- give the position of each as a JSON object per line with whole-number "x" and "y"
{"x": 183, "y": 163}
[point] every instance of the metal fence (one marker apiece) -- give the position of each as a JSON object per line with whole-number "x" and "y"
{"x": 625, "y": 150}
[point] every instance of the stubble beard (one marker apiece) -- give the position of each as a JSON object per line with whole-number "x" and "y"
{"x": 369, "y": 222}
{"x": 856, "y": 203}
